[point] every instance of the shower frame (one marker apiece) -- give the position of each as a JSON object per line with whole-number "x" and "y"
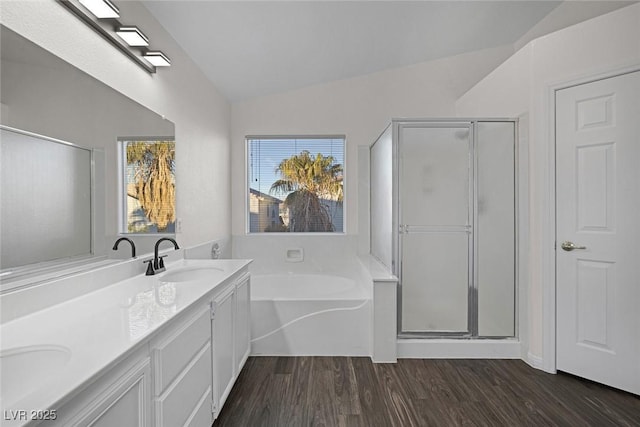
{"x": 472, "y": 297}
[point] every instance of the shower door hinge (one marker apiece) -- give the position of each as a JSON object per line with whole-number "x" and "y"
{"x": 212, "y": 311}
{"x": 402, "y": 229}
{"x": 214, "y": 408}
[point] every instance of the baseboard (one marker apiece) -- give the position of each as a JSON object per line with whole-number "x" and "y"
{"x": 534, "y": 361}
{"x": 459, "y": 349}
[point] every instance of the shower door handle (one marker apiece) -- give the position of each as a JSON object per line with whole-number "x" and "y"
{"x": 569, "y": 246}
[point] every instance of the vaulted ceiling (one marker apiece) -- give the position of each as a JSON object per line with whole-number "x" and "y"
{"x": 255, "y": 48}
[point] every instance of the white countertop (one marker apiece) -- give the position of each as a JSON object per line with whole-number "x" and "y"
{"x": 101, "y": 328}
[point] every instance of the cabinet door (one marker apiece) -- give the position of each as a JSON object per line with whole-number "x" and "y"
{"x": 223, "y": 346}
{"x": 242, "y": 334}
{"x": 122, "y": 403}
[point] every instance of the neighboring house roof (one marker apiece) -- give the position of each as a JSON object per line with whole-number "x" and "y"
{"x": 262, "y": 195}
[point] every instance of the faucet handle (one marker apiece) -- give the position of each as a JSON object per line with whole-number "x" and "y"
{"x": 150, "y": 271}
{"x": 161, "y": 261}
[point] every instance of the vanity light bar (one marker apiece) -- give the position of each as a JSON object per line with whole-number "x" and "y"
{"x": 157, "y": 58}
{"x": 128, "y": 39}
{"x": 101, "y": 8}
{"x": 132, "y": 36}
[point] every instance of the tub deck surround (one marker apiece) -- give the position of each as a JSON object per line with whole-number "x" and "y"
{"x": 376, "y": 269}
{"x": 291, "y": 286}
{"x": 383, "y": 309}
{"x": 306, "y": 322}
{"x": 99, "y": 329}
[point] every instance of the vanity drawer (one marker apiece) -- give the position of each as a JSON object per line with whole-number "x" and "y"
{"x": 175, "y": 350}
{"x": 189, "y": 395}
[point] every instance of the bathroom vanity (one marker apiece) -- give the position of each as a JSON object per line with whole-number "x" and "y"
{"x": 160, "y": 350}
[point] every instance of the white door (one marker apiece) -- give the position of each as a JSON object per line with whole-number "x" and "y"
{"x": 598, "y": 211}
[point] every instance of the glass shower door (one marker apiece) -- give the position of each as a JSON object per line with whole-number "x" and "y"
{"x": 435, "y": 221}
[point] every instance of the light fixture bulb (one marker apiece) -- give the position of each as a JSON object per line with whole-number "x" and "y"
{"x": 101, "y": 8}
{"x": 157, "y": 59}
{"x": 132, "y": 36}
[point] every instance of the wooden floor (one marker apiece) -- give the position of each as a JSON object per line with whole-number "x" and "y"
{"x": 352, "y": 391}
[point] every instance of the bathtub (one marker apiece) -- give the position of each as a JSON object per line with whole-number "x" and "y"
{"x": 309, "y": 315}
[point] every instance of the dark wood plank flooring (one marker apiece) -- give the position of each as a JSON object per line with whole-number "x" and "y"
{"x": 352, "y": 391}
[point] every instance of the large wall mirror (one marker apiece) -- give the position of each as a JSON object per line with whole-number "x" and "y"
{"x": 62, "y": 119}
{"x": 46, "y": 198}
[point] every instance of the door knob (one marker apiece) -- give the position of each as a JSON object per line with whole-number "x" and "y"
{"x": 569, "y": 246}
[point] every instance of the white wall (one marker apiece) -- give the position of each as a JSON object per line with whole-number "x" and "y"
{"x": 522, "y": 86}
{"x": 181, "y": 93}
{"x": 359, "y": 108}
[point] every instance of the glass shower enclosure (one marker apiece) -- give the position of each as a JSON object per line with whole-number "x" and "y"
{"x": 443, "y": 219}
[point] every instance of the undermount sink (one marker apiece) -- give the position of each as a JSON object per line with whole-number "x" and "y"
{"x": 191, "y": 274}
{"x": 25, "y": 370}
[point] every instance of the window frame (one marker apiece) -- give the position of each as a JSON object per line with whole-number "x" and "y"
{"x": 247, "y": 186}
{"x": 122, "y": 183}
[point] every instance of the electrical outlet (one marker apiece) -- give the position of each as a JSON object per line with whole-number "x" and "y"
{"x": 179, "y": 225}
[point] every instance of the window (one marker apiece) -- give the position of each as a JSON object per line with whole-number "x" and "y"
{"x": 149, "y": 197}
{"x": 299, "y": 181}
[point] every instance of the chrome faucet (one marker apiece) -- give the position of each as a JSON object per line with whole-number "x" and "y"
{"x": 158, "y": 262}
{"x": 133, "y": 245}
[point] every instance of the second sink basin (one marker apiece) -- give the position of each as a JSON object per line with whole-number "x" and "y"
{"x": 191, "y": 274}
{"x": 27, "y": 369}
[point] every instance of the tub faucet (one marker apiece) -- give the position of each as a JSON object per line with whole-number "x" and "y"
{"x": 133, "y": 245}
{"x": 158, "y": 262}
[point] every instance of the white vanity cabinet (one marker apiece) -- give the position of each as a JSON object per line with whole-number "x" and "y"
{"x": 178, "y": 374}
{"x": 120, "y": 398}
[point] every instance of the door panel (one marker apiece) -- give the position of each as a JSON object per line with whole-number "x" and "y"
{"x": 436, "y": 282}
{"x": 434, "y": 176}
{"x": 435, "y": 213}
{"x": 596, "y": 187}
{"x": 595, "y": 295}
{"x": 598, "y": 205}
{"x": 495, "y": 228}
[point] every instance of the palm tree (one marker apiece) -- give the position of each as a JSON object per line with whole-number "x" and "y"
{"x": 154, "y": 165}
{"x": 307, "y": 180}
